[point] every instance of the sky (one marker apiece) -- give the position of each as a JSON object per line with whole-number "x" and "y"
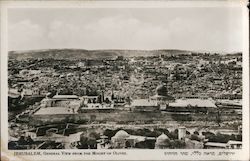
{"x": 199, "y": 29}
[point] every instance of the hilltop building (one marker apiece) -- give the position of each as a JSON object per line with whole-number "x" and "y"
{"x": 162, "y": 97}
{"x": 154, "y": 103}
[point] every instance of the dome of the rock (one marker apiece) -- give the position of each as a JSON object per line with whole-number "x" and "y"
{"x": 162, "y": 90}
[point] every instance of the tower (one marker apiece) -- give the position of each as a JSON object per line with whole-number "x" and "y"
{"x": 181, "y": 133}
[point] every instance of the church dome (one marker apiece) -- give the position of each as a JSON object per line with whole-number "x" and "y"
{"x": 163, "y": 139}
{"x": 121, "y": 134}
{"x": 162, "y": 90}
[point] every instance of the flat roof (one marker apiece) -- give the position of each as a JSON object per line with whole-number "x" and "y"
{"x": 54, "y": 111}
{"x": 234, "y": 142}
{"x": 13, "y": 95}
{"x": 214, "y": 144}
{"x": 143, "y": 102}
{"x": 230, "y": 102}
{"x": 89, "y": 96}
{"x": 193, "y": 102}
{"x": 65, "y": 97}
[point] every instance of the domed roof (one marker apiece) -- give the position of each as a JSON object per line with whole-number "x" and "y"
{"x": 162, "y": 139}
{"x": 162, "y": 90}
{"x": 121, "y": 134}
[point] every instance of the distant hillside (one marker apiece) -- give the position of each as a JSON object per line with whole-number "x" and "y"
{"x": 236, "y": 54}
{"x": 88, "y": 54}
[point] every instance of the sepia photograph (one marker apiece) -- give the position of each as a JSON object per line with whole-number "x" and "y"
{"x": 125, "y": 78}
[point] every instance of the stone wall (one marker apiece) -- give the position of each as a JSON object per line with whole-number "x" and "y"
{"x": 126, "y": 117}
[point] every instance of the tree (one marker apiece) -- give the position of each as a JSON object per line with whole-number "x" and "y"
{"x": 173, "y": 134}
{"x": 128, "y": 100}
{"x": 12, "y": 145}
{"x": 94, "y": 135}
{"x": 92, "y": 143}
{"x": 165, "y": 131}
{"x": 109, "y": 133}
{"x": 127, "y": 144}
{"x": 92, "y": 118}
{"x": 107, "y": 101}
{"x": 232, "y": 137}
{"x": 195, "y": 137}
{"x": 99, "y": 99}
{"x": 218, "y": 118}
{"x": 196, "y": 133}
{"x": 238, "y": 137}
{"x": 147, "y": 144}
{"x": 83, "y": 142}
{"x": 112, "y": 96}
{"x": 177, "y": 144}
{"x": 22, "y": 140}
{"x": 94, "y": 100}
{"x": 30, "y": 140}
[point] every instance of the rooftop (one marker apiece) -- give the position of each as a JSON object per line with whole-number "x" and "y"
{"x": 13, "y": 93}
{"x": 54, "y": 111}
{"x": 143, "y": 102}
{"x": 65, "y": 97}
{"x": 234, "y": 142}
{"x": 121, "y": 134}
{"x": 193, "y": 102}
{"x": 214, "y": 144}
{"x": 230, "y": 102}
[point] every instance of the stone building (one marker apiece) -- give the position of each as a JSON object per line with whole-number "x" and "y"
{"x": 162, "y": 142}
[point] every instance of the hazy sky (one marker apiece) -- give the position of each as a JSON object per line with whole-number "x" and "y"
{"x": 213, "y": 29}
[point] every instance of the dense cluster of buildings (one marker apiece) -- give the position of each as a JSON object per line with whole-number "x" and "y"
{"x": 87, "y": 91}
{"x": 63, "y": 138}
{"x": 217, "y": 76}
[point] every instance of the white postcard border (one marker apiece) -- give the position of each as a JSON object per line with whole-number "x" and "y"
{"x": 197, "y": 154}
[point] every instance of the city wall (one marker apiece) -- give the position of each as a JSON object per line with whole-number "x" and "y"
{"x": 125, "y": 117}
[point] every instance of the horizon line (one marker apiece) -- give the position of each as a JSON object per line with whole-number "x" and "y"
{"x": 201, "y": 51}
